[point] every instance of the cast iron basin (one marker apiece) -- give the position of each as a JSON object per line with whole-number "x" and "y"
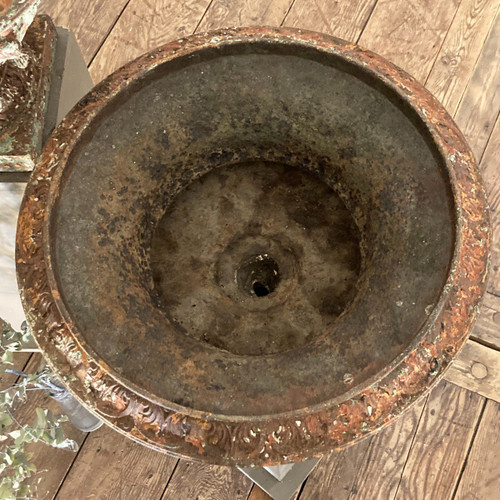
{"x": 252, "y": 246}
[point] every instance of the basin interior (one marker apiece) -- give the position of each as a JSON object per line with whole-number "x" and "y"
{"x": 252, "y": 230}
{"x": 256, "y": 258}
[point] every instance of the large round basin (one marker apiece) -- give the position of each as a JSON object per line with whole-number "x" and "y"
{"x": 253, "y": 246}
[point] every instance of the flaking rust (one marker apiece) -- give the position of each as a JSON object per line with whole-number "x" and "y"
{"x": 368, "y": 397}
{"x": 26, "y": 56}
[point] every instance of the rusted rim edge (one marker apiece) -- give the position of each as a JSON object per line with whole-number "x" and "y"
{"x": 275, "y": 438}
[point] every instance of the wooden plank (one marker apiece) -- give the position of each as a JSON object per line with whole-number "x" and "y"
{"x": 477, "y": 369}
{"x": 481, "y": 478}
{"x": 409, "y": 33}
{"x": 491, "y": 176}
{"x": 487, "y": 328}
{"x": 51, "y": 463}
{"x": 19, "y": 362}
{"x": 111, "y": 466}
{"x": 461, "y": 48}
{"x": 258, "y": 494}
{"x": 369, "y": 469}
{"x": 441, "y": 443}
{"x": 143, "y": 26}
{"x": 207, "y": 482}
{"x": 90, "y": 20}
{"x": 227, "y": 13}
{"x": 344, "y": 18}
{"x": 479, "y": 107}
{"x": 336, "y": 473}
{"x": 379, "y": 474}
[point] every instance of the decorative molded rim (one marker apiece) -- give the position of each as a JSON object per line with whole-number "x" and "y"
{"x": 271, "y": 439}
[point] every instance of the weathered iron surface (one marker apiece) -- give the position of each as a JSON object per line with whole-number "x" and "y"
{"x": 15, "y": 18}
{"x": 23, "y": 97}
{"x": 277, "y": 241}
{"x": 182, "y": 184}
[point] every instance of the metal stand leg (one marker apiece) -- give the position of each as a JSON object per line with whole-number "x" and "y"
{"x": 281, "y": 481}
{"x": 79, "y": 416}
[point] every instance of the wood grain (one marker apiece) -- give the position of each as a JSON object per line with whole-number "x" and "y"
{"x": 90, "y": 20}
{"x": 227, "y": 13}
{"x": 461, "y": 48}
{"x": 111, "y": 466}
{"x": 258, "y": 494}
{"x": 144, "y": 25}
{"x": 336, "y": 473}
{"x": 207, "y": 482}
{"x": 344, "y": 18}
{"x": 409, "y": 33}
{"x": 481, "y": 477}
{"x": 480, "y": 105}
{"x": 51, "y": 463}
{"x": 491, "y": 175}
{"x": 440, "y": 444}
{"x": 19, "y": 362}
{"x": 487, "y": 328}
{"x": 379, "y": 474}
{"x": 477, "y": 369}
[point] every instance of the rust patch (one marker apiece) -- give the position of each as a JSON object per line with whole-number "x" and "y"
{"x": 24, "y": 93}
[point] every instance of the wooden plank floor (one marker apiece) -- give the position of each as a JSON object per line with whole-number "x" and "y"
{"x": 447, "y": 446}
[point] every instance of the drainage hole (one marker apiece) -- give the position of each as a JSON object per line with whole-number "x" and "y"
{"x": 259, "y": 276}
{"x": 260, "y": 290}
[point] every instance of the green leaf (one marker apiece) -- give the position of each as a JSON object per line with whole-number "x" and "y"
{"x": 27, "y": 338}
{"x": 30, "y": 467}
{"x": 5, "y": 420}
{"x": 14, "y": 460}
{"x": 40, "y": 420}
{"x": 6, "y": 492}
{"x": 24, "y": 491}
{"x": 21, "y": 438}
{"x": 8, "y": 357}
{"x": 59, "y": 435}
{"x": 50, "y": 416}
{"x": 15, "y": 434}
{"x": 7, "y": 457}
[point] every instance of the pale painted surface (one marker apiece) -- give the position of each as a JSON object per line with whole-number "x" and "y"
{"x": 10, "y": 304}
